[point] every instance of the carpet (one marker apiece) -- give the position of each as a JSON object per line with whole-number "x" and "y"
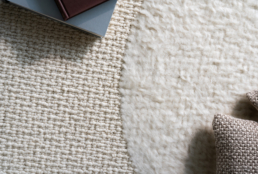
{"x": 59, "y": 97}
{"x": 186, "y": 60}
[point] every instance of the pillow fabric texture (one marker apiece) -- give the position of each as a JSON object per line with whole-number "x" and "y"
{"x": 253, "y": 97}
{"x": 236, "y": 142}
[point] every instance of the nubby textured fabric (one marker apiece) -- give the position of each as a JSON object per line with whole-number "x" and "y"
{"x": 59, "y": 98}
{"x": 236, "y": 144}
{"x": 253, "y": 98}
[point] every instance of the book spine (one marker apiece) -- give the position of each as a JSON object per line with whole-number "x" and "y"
{"x": 62, "y": 9}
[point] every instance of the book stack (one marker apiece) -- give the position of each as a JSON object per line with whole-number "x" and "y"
{"x": 91, "y": 16}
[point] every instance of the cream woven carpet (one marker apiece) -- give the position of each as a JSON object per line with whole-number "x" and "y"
{"x": 186, "y": 61}
{"x": 59, "y": 98}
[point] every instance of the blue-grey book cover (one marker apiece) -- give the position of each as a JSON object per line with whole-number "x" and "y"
{"x": 94, "y": 21}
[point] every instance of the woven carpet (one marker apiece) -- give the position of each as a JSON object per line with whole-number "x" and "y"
{"x": 186, "y": 61}
{"x": 59, "y": 98}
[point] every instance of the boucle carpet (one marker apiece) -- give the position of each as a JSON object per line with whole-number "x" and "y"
{"x": 186, "y": 61}
{"x": 59, "y": 97}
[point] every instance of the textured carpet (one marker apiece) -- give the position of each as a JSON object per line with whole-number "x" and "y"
{"x": 186, "y": 61}
{"x": 59, "y": 98}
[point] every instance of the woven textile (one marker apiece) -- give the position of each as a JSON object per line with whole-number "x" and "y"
{"x": 59, "y": 98}
{"x": 236, "y": 142}
{"x": 236, "y": 145}
{"x": 253, "y": 98}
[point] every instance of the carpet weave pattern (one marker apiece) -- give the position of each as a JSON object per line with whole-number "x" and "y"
{"x": 59, "y": 102}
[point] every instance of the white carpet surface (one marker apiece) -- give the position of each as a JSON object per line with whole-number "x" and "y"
{"x": 186, "y": 61}
{"x": 59, "y": 97}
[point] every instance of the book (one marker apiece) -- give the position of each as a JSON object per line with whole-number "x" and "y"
{"x": 95, "y": 20}
{"x": 71, "y": 8}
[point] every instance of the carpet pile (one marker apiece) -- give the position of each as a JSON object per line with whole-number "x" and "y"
{"x": 186, "y": 61}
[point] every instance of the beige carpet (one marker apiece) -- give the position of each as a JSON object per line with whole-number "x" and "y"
{"x": 59, "y": 98}
{"x": 186, "y": 61}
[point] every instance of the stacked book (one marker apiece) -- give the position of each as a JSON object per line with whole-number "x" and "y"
{"x": 92, "y": 16}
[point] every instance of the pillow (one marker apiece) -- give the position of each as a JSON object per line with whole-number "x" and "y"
{"x": 253, "y": 97}
{"x": 236, "y": 145}
{"x": 236, "y": 142}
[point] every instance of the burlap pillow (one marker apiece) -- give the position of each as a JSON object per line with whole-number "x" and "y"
{"x": 237, "y": 142}
{"x": 236, "y": 145}
{"x": 253, "y": 97}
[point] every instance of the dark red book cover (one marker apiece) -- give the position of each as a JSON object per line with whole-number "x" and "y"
{"x": 71, "y": 8}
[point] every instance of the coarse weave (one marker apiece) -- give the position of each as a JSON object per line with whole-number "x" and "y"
{"x": 253, "y": 98}
{"x": 236, "y": 144}
{"x": 59, "y": 98}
